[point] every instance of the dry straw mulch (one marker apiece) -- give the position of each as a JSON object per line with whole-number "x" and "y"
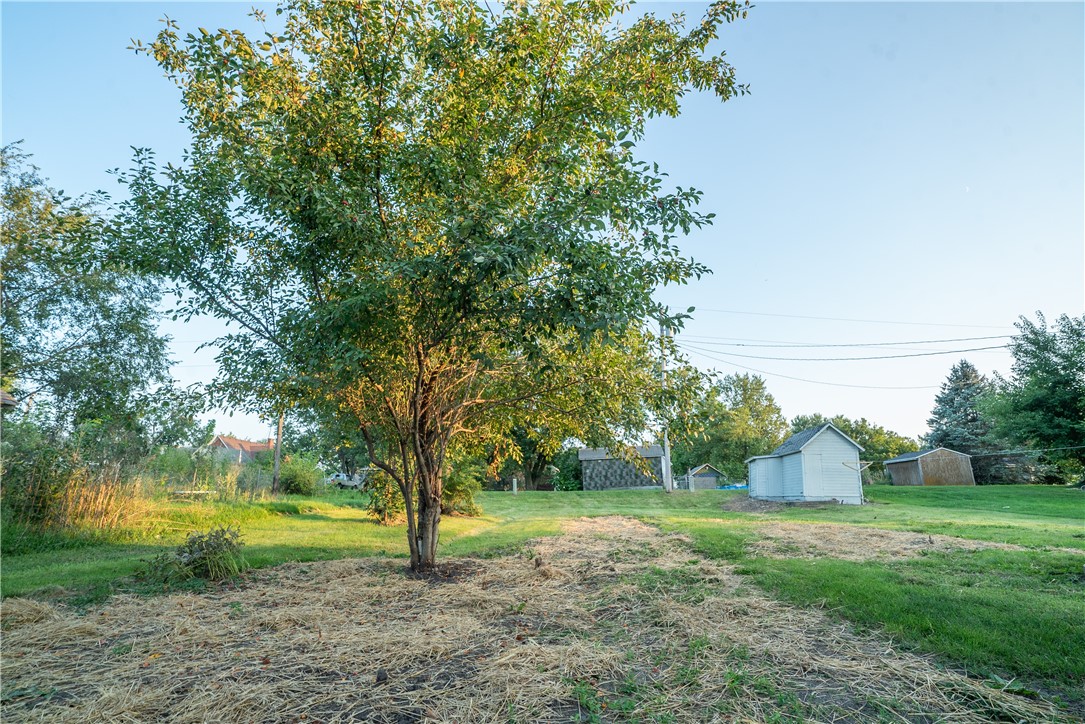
{"x": 859, "y": 543}
{"x": 613, "y": 621}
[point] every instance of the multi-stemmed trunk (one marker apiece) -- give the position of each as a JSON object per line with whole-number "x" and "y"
{"x": 416, "y": 459}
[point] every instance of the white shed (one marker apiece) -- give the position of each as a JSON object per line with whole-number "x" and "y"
{"x": 821, "y": 463}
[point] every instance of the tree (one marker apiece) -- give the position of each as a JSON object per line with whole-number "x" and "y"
{"x": 430, "y": 216}
{"x": 80, "y": 328}
{"x": 878, "y": 443}
{"x": 734, "y": 420}
{"x": 1042, "y": 404}
{"x": 531, "y": 452}
{"x": 334, "y": 441}
{"x": 956, "y": 422}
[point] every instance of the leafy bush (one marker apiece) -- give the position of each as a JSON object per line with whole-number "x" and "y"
{"x": 568, "y": 475}
{"x": 299, "y": 476}
{"x": 457, "y": 496}
{"x": 460, "y": 485}
{"x": 214, "y": 555}
{"x": 385, "y": 499}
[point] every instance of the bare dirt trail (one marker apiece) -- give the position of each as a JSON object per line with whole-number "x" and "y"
{"x": 612, "y": 621}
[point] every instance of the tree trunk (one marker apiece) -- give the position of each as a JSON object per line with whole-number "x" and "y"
{"x": 424, "y": 557}
{"x": 278, "y": 456}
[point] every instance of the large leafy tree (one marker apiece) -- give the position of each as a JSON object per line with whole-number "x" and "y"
{"x": 735, "y": 419}
{"x": 1042, "y": 404}
{"x": 430, "y": 216}
{"x": 80, "y": 327}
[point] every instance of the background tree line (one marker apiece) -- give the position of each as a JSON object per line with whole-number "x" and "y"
{"x": 1029, "y": 426}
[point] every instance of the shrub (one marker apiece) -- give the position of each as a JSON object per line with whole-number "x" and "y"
{"x": 385, "y": 500}
{"x": 460, "y": 485}
{"x": 457, "y": 496}
{"x": 299, "y": 476}
{"x": 568, "y": 475}
{"x": 47, "y": 484}
{"x": 214, "y": 555}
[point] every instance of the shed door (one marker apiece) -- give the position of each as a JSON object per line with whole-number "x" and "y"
{"x": 811, "y": 473}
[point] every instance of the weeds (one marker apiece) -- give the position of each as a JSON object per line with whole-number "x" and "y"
{"x": 215, "y": 556}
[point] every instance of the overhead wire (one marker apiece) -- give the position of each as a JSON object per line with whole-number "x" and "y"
{"x": 846, "y": 319}
{"x": 843, "y": 359}
{"x": 1021, "y": 452}
{"x": 708, "y": 340}
{"x": 813, "y": 382}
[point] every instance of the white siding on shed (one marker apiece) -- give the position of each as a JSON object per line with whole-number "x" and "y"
{"x": 791, "y": 466}
{"x": 819, "y": 463}
{"x": 765, "y": 478}
{"x": 840, "y": 478}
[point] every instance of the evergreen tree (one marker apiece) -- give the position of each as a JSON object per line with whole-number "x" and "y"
{"x": 956, "y": 422}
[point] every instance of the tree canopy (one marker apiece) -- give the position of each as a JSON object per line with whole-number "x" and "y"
{"x": 1041, "y": 406}
{"x": 735, "y": 419}
{"x": 80, "y": 327}
{"x": 430, "y": 217}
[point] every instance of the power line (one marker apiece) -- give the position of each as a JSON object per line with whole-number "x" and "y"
{"x": 845, "y": 319}
{"x": 1021, "y": 452}
{"x": 813, "y": 382}
{"x": 703, "y": 339}
{"x": 845, "y": 359}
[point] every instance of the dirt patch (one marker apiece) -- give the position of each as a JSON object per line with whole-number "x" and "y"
{"x": 613, "y": 621}
{"x": 857, "y": 543}
{"x": 746, "y": 504}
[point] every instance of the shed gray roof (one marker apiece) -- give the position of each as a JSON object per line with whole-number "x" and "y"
{"x": 797, "y": 441}
{"x": 599, "y": 453}
{"x": 905, "y": 457}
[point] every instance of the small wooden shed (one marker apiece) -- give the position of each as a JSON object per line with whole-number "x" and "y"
{"x": 939, "y": 466}
{"x": 821, "y": 463}
{"x": 703, "y": 477}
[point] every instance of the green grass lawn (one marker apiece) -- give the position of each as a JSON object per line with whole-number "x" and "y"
{"x": 1005, "y": 613}
{"x": 1027, "y": 515}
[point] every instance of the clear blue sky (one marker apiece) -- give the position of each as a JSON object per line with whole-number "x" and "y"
{"x": 916, "y": 165}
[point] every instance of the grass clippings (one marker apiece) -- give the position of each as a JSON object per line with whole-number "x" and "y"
{"x": 612, "y": 621}
{"x": 858, "y": 543}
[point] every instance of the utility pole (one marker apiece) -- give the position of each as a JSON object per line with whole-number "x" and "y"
{"x": 278, "y": 455}
{"x": 668, "y": 479}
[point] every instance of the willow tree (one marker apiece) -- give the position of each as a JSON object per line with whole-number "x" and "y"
{"x": 431, "y": 216}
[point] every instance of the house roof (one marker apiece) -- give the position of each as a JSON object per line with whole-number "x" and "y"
{"x": 701, "y": 469}
{"x": 234, "y": 443}
{"x": 6, "y": 400}
{"x": 799, "y": 440}
{"x": 920, "y": 453}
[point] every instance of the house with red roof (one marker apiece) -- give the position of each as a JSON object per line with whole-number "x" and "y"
{"x": 237, "y": 450}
